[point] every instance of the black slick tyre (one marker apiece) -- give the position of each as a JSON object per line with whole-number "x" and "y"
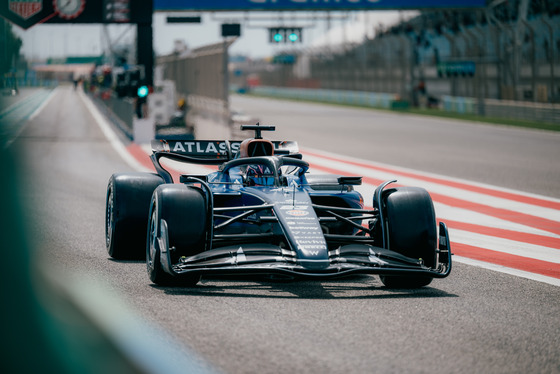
{"x": 183, "y": 211}
{"x": 126, "y": 213}
{"x": 411, "y": 231}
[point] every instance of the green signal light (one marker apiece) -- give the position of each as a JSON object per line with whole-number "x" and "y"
{"x": 293, "y": 37}
{"x": 142, "y": 91}
{"x": 278, "y": 38}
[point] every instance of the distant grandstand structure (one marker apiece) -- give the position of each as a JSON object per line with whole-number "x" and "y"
{"x": 509, "y": 51}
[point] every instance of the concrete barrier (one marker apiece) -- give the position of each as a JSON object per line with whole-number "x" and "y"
{"x": 363, "y": 98}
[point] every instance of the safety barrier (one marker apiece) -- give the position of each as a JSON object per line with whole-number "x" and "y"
{"x": 119, "y": 111}
{"x": 538, "y": 112}
{"x": 463, "y": 105}
{"x": 362, "y": 98}
{"x": 521, "y": 110}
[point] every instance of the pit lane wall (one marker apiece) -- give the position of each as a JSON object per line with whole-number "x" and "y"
{"x": 209, "y": 117}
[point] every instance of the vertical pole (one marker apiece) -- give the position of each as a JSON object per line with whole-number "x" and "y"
{"x": 226, "y": 82}
{"x": 521, "y": 17}
{"x": 144, "y": 51}
{"x": 498, "y": 32}
{"x": 533, "y": 62}
{"x": 144, "y": 46}
{"x": 404, "y": 92}
{"x": 454, "y": 54}
{"x": 551, "y": 55}
{"x": 480, "y": 71}
{"x": 412, "y": 71}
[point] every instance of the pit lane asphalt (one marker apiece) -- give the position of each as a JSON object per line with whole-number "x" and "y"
{"x": 474, "y": 321}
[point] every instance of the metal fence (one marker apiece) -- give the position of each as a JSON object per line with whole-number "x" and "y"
{"x": 516, "y": 60}
{"x": 540, "y": 112}
{"x": 201, "y": 77}
{"x": 119, "y": 111}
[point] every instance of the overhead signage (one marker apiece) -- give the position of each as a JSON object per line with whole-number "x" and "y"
{"x": 25, "y": 9}
{"x": 26, "y": 13}
{"x": 456, "y": 68}
{"x": 271, "y": 5}
{"x": 116, "y": 11}
{"x": 69, "y": 9}
{"x": 211, "y": 148}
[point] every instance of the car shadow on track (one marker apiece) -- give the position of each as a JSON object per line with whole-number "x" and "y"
{"x": 356, "y": 287}
{"x": 126, "y": 261}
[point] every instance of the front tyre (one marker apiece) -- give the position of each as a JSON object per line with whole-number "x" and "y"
{"x": 411, "y": 231}
{"x": 178, "y": 223}
{"x": 155, "y": 241}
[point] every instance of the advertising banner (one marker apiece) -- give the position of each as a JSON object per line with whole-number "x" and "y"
{"x": 271, "y": 5}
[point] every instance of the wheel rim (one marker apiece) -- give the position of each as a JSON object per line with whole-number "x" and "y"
{"x": 152, "y": 240}
{"x": 109, "y": 218}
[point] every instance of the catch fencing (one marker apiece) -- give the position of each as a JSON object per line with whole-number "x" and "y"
{"x": 201, "y": 77}
{"x": 481, "y": 57}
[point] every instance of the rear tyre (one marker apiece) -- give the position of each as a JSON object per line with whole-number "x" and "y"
{"x": 411, "y": 231}
{"x": 126, "y": 213}
{"x": 183, "y": 211}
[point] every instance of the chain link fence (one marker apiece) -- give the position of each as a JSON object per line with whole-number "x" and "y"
{"x": 491, "y": 54}
{"x": 201, "y": 77}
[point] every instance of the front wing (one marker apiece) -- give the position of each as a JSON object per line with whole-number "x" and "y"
{"x": 266, "y": 259}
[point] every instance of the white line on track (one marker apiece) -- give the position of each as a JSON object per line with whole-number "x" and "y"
{"x": 450, "y": 212}
{"x": 110, "y": 134}
{"x": 508, "y": 246}
{"x": 399, "y": 169}
{"x": 342, "y": 164}
{"x": 506, "y": 270}
{"x": 433, "y": 187}
{"x": 43, "y": 104}
{"x": 32, "y": 116}
{"x": 188, "y": 358}
{"x": 468, "y": 216}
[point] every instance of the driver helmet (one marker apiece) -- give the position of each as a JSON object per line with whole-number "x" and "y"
{"x": 257, "y": 175}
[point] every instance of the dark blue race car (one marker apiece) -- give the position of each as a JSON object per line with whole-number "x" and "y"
{"x": 263, "y": 213}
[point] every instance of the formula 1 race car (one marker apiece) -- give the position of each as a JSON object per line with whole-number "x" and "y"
{"x": 263, "y": 213}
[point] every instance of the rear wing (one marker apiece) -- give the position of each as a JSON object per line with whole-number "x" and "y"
{"x": 199, "y": 151}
